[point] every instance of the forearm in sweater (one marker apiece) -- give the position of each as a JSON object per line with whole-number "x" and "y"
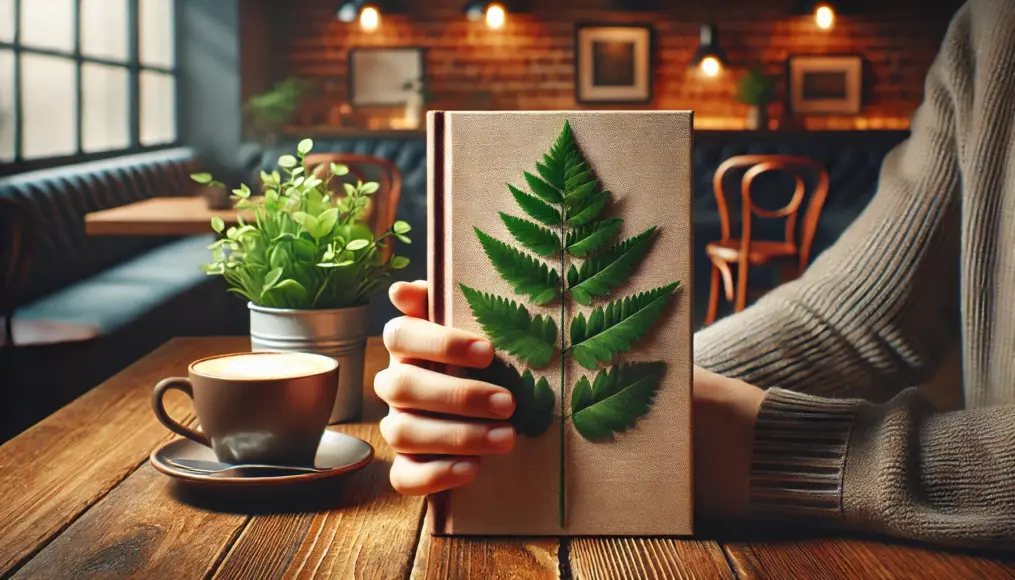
{"x": 897, "y": 468}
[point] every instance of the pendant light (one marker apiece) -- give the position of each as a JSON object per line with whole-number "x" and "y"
{"x": 823, "y": 11}
{"x": 352, "y": 10}
{"x": 710, "y": 58}
{"x": 493, "y": 13}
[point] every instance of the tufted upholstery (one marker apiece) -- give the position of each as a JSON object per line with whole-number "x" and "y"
{"x": 852, "y": 159}
{"x": 60, "y": 198}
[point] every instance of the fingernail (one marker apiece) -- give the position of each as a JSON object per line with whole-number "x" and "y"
{"x": 480, "y": 349}
{"x": 501, "y": 436}
{"x": 502, "y": 404}
{"x": 463, "y": 468}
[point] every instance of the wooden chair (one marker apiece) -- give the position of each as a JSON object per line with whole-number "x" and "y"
{"x": 17, "y": 248}
{"x": 792, "y": 253}
{"x": 380, "y": 213}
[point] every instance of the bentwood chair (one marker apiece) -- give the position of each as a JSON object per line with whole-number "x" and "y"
{"x": 380, "y": 213}
{"x": 791, "y": 253}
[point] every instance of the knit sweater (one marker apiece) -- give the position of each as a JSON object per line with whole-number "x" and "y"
{"x": 843, "y": 437}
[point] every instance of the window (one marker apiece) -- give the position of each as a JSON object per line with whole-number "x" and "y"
{"x": 85, "y": 78}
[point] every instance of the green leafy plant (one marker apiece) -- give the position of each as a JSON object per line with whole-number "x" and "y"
{"x": 756, "y": 88}
{"x": 566, "y": 200}
{"x": 306, "y": 249}
{"x": 269, "y": 111}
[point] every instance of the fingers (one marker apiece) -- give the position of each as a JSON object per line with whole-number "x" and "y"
{"x": 411, "y": 387}
{"x": 417, "y": 339}
{"x": 410, "y": 298}
{"x": 418, "y": 435}
{"x": 420, "y": 476}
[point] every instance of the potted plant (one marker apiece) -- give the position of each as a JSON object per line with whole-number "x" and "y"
{"x": 757, "y": 90}
{"x": 270, "y": 111}
{"x": 307, "y": 266}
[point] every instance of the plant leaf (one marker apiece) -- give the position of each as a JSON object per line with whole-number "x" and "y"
{"x": 534, "y": 399}
{"x": 589, "y": 210}
{"x": 272, "y": 278}
{"x": 603, "y": 272}
{"x": 304, "y": 146}
{"x": 399, "y": 262}
{"x": 369, "y": 187}
{"x": 525, "y": 274}
{"x": 356, "y": 245}
{"x": 401, "y": 227}
{"x": 287, "y": 161}
{"x": 217, "y": 224}
{"x": 617, "y": 327}
{"x": 533, "y": 236}
{"x": 512, "y": 329}
{"x": 535, "y": 207}
{"x": 588, "y": 238}
{"x": 549, "y": 193}
{"x": 326, "y": 221}
{"x": 616, "y": 399}
{"x": 202, "y": 178}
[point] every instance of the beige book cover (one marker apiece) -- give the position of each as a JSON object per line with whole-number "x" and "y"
{"x": 565, "y": 237}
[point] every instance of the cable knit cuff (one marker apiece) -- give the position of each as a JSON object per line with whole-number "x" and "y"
{"x": 799, "y": 455}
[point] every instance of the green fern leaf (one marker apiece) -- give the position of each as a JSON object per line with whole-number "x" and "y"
{"x": 575, "y": 169}
{"x": 617, "y": 327}
{"x": 525, "y": 274}
{"x": 590, "y": 237}
{"x": 534, "y": 399}
{"x": 534, "y": 237}
{"x": 512, "y": 329}
{"x": 549, "y": 193}
{"x": 616, "y": 399}
{"x": 588, "y": 211}
{"x": 551, "y": 172}
{"x": 535, "y": 207}
{"x": 601, "y": 273}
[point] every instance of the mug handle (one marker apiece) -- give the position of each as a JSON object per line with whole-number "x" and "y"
{"x": 180, "y": 384}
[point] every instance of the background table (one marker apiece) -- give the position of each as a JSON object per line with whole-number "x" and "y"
{"x": 81, "y": 500}
{"x": 159, "y": 216}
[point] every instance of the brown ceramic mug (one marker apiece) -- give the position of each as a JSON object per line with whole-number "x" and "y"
{"x": 259, "y": 407}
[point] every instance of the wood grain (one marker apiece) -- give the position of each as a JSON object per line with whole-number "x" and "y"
{"x": 847, "y": 558}
{"x": 370, "y": 532}
{"x": 55, "y": 470}
{"x": 439, "y": 558}
{"x": 646, "y": 558}
{"x": 138, "y": 531}
{"x": 158, "y": 216}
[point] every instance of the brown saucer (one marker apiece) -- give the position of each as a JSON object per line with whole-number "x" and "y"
{"x": 337, "y": 454}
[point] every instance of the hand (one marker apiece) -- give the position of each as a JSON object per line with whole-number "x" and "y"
{"x": 439, "y": 424}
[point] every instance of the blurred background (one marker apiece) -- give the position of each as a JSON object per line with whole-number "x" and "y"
{"x": 106, "y": 104}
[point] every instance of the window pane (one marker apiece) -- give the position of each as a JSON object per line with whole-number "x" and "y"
{"x": 104, "y": 29}
{"x": 48, "y": 24}
{"x": 105, "y": 109}
{"x": 7, "y": 20}
{"x": 48, "y": 100}
{"x": 6, "y": 105}
{"x": 156, "y": 32}
{"x": 158, "y": 108}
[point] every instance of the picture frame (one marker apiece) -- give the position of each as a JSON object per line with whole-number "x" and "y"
{"x": 613, "y": 63}
{"x": 378, "y": 75}
{"x": 831, "y": 84}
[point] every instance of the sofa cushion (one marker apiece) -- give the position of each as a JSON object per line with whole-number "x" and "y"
{"x": 59, "y": 198}
{"x": 119, "y": 295}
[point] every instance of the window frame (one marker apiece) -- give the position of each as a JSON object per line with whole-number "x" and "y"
{"x": 132, "y": 65}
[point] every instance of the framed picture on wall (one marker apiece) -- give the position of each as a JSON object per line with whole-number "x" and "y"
{"x": 384, "y": 76}
{"x": 825, "y": 84}
{"x": 613, "y": 64}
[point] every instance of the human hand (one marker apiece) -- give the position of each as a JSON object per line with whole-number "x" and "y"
{"x": 439, "y": 424}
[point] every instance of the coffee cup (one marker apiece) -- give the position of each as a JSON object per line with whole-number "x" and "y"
{"x": 257, "y": 407}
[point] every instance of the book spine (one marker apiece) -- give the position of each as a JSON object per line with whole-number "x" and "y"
{"x": 435, "y": 196}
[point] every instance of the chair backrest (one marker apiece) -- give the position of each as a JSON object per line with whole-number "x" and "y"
{"x": 797, "y": 168}
{"x": 380, "y": 213}
{"x": 16, "y": 248}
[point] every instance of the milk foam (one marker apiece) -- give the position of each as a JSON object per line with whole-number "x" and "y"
{"x": 265, "y": 366}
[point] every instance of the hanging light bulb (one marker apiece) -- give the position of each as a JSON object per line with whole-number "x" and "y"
{"x": 710, "y": 58}
{"x": 495, "y": 16}
{"x": 824, "y": 16}
{"x": 369, "y": 18}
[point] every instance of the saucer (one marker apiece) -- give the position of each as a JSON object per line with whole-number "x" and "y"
{"x": 337, "y": 454}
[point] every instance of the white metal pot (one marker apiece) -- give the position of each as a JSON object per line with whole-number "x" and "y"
{"x": 340, "y": 333}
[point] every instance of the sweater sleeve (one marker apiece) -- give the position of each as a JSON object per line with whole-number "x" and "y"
{"x": 879, "y": 310}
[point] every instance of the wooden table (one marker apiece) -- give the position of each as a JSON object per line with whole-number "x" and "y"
{"x": 159, "y": 216}
{"x": 81, "y": 500}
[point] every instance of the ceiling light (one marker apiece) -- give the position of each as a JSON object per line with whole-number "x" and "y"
{"x": 710, "y": 58}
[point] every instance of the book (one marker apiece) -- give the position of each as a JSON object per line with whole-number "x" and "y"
{"x": 565, "y": 237}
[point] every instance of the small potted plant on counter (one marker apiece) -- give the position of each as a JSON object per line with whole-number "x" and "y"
{"x": 308, "y": 266}
{"x": 757, "y": 90}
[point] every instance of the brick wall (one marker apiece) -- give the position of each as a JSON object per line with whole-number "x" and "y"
{"x": 528, "y": 64}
